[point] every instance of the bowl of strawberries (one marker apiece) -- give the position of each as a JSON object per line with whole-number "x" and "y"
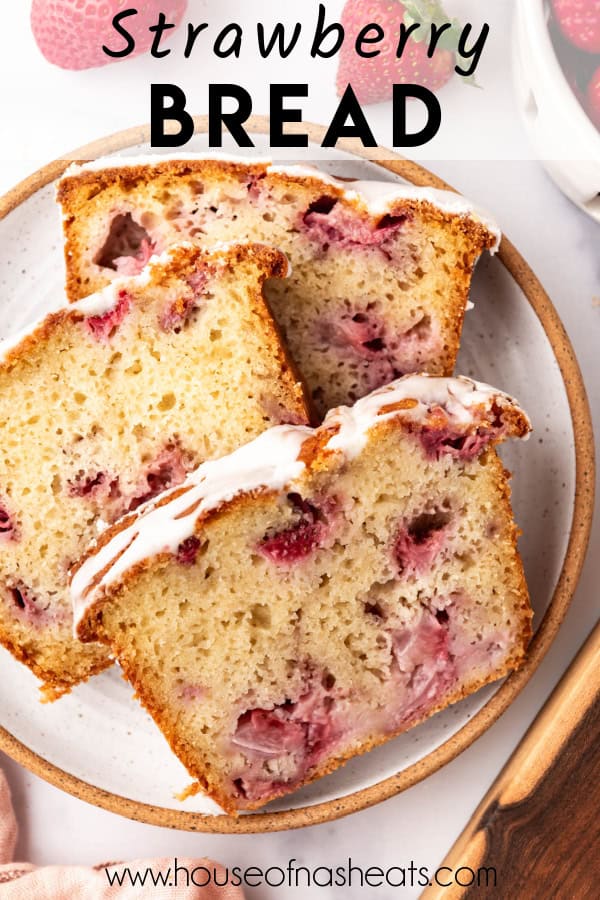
{"x": 557, "y": 77}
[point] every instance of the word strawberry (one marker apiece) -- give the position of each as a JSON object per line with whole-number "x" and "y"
{"x": 373, "y": 78}
{"x": 71, "y": 33}
{"x": 579, "y": 21}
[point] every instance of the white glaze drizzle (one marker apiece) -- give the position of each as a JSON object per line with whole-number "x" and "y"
{"x": 378, "y": 197}
{"x": 150, "y": 159}
{"x": 97, "y": 304}
{"x": 270, "y": 462}
{"x": 458, "y": 397}
{"x": 105, "y": 300}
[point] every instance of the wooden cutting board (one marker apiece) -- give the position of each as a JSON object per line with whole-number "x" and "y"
{"x": 539, "y": 824}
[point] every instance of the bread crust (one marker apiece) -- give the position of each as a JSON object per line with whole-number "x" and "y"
{"x": 111, "y": 188}
{"x": 74, "y": 192}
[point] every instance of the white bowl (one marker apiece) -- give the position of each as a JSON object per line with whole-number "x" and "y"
{"x": 565, "y": 139}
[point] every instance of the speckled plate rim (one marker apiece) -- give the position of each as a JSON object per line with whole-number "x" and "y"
{"x": 567, "y": 582}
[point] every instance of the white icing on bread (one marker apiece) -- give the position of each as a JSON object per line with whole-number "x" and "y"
{"x": 377, "y": 197}
{"x": 459, "y": 398}
{"x": 105, "y": 300}
{"x": 272, "y": 462}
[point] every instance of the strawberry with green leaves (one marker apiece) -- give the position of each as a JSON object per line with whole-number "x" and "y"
{"x": 373, "y": 78}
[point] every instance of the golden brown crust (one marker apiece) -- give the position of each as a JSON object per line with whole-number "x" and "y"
{"x": 34, "y": 338}
{"x": 127, "y": 177}
{"x": 75, "y": 191}
{"x": 203, "y": 783}
{"x": 54, "y": 682}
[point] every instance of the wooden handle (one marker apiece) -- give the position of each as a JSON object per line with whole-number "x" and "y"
{"x": 539, "y": 824}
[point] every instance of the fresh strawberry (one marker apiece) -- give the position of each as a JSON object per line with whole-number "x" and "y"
{"x": 373, "y": 79}
{"x": 593, "y": 99}
{"x": 579, "y": 21}
{"x": 71, "y": 33}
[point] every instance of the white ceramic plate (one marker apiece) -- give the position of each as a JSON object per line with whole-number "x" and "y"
{"x": 98, "y": 734}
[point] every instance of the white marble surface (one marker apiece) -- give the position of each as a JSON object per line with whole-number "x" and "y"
{"x": 563, "y": 246}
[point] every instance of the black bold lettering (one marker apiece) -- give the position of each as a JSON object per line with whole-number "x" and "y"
{"x": 279, "y": 115}
{"x": 434, "y": 115}
{"x": 192, "y": 34}
{"x": 232, "y": 121}
{"x": 437, "y": 32}
{"x": 322, "y": 33}
{"x": 161, "y": 114}
{"x": 405, "y": 34}
{"x": 349, "y": 108}
{"x": 236, "y": 45}
{"x": 159, "y": 29}
{"x": 475, "y": 51}
{"x": 363, "y": 38}
{"x": 278, "y": 36}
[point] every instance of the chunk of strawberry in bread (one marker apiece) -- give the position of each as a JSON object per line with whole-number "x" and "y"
{"x": 346, "y": 583}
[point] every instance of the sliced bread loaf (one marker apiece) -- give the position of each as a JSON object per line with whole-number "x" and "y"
{"x": 317, "y": 592}
{"x": 109, "y": 401}
{"x": 381, "y": 271}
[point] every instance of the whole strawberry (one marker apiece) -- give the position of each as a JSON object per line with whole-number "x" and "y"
{"x": 579, "y": 21}
{"x": 593, "y": 99}
{"x": 373, "y": 79}
{"x": 71, "y": 33}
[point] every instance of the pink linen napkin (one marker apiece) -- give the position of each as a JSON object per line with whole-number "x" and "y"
{"x": 23, "y": 881}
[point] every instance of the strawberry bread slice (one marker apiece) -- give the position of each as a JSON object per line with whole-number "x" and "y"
{"x": 381, "y": 271}
{"x": 107, "y": 402}
{"x": 320, "y": 591}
